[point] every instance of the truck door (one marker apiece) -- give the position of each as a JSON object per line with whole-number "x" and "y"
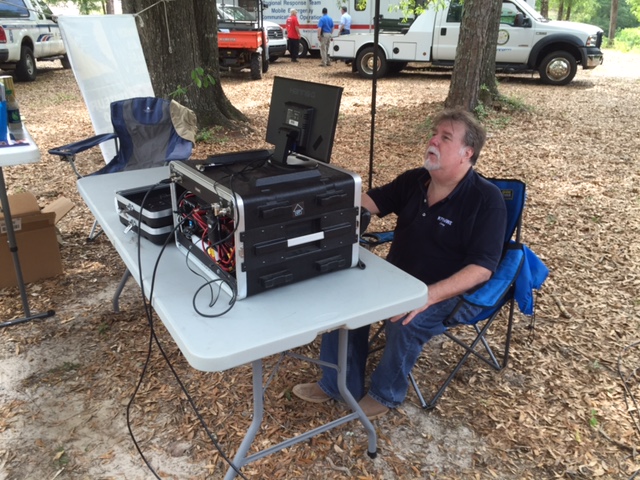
{"x": 514, "y": 38}
{"x": 49, "y": 39}
{"x": 446, "y": 32}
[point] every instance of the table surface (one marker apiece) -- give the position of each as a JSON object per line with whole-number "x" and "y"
{"x": 20, "y": 154}
{"x": 260, "y": 325}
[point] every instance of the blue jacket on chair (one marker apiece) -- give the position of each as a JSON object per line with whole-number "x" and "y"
{"x": 531, "y": 277}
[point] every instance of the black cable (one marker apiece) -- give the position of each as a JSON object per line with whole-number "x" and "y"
{"x": 153, "y": 337}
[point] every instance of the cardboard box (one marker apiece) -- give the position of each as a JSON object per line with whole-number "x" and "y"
{"x": 36, "y": 239}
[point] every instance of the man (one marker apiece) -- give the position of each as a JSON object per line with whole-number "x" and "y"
{"x": 325, "y": 29}
{"x": 293, "y": 34}
{"x": 345, "y": 22}
{"x": 450, "y": 231}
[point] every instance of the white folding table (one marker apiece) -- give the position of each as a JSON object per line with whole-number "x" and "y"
{"x": 18, "y": 155}
{"x": 259, "y": 326}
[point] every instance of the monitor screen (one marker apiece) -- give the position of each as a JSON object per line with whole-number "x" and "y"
{"x": 302, "y": 119}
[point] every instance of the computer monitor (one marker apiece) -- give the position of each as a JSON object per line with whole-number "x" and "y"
{"x": 302, "y": 119}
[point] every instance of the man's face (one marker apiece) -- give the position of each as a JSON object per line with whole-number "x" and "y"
{"x": 446, "y": 146}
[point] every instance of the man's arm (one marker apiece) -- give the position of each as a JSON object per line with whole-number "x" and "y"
{"x": 457, "y": 284}
{"x": 369, "y": 204}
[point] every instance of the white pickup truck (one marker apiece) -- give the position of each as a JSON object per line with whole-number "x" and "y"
{"x": 526, "y": 42}
{"x": 29, "y": 32}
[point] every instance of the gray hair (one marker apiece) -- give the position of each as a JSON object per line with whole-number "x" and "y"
{"x": 475, "y": 135}
{"x": 294, "y": 11}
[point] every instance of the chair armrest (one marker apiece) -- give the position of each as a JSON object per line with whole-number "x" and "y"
{"x": 373, "y": 239}
{"x": 73, "y": 149}
{"x": 494, "y": 290}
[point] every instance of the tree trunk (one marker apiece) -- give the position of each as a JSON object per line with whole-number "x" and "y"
{"x": 489, "y": 85}
{"x": 568, "y": 15}
{"x": 110, "y": 10}
{"x": 560, "y": 9}
{"x": 468, "y": 66}
{"x": 177, "y": 38}
{"x": 613, "y": 21}
{"x": 544, "y": 8}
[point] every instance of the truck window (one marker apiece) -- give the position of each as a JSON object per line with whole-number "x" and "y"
{"x": 454, "y": 15}
{"x": 13, "y": 9}
{"x": 48, "y": 14}
{"x": 359, "y": 5}
{"x": 508, "y": 13}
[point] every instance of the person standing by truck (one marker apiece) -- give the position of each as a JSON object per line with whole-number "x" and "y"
{"x": 293, "y": 34}
{"x": 325, "y": 29}
{"x": 345, "y": 22}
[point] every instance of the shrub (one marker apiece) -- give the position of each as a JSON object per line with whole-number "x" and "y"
{"x": 628, "y": 39}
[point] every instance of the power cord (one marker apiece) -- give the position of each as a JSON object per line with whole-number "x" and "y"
{"x": 153, "y": 338}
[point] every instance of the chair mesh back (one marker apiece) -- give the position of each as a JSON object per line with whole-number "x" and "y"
{"x": 514, "y": 193}
{"x": 146, "y": 135}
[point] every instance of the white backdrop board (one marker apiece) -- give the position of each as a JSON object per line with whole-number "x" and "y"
{"x": 108, "y": 62}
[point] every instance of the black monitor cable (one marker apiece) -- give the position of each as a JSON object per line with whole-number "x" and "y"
{"x": 153, "y": 338}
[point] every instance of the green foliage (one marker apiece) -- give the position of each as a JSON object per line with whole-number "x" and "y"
{"x": 598, "y": 12}
{"x": 211, "y": 135}
{"x": 593, "y": 420}
{"x": 85, "y": 7}
{"x": 628, "y": 40}
{"x": 414, "y": 7}
{"x": 61, "y": 458}
{"x": 199, "y": 79}
{"x": 634, "y": 6}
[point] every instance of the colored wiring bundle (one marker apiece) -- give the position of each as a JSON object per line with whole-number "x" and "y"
{"x": 210, "y": 228}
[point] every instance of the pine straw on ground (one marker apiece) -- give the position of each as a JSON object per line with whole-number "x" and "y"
{"x": 561, "y": 409}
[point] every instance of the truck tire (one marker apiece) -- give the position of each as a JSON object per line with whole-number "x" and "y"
{"x": 364, "y": 63}
{"x": 256, "y": 66}
{"x": 26, "y": 67}
{"x": 303, "y": 49}
{"x": 66, "y": 64}
{"x": 558, "y": 68}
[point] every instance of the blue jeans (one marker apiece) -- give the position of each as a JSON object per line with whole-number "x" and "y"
{"x": 389, "y": 381}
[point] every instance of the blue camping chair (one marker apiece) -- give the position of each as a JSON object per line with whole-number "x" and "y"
{"x": 145, "y": 136}
{"x": 501, "y": 291}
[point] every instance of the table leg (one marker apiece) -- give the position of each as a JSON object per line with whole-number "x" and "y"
{"x": 13, "y": 248}
{"x": 241, "y": 458}
{"x": 343, "y": 342}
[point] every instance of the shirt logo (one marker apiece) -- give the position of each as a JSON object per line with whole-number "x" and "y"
{"x": 445, "y": 221}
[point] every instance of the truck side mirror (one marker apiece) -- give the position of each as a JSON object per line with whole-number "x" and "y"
{"x": 519, "y": 20}
{"x": 526, "y": 23}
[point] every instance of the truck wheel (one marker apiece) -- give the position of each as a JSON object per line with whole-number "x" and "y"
{"x": 66, "y": 64}
{"x": 26, "y": 67}
{"x": 303, "y": 49}
{"x": 558, "y": 68}
{"x": 256, "y": 66}
{"x": 364, "y": 63}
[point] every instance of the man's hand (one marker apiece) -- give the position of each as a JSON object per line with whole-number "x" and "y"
{"x": 457, "y": 284}
{"x": 407, "y": 317}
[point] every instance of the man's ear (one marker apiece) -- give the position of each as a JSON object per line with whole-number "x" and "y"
{"x": 466, "y": 153}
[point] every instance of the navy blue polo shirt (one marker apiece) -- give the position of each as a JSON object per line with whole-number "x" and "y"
{"x": 433, "y": 243}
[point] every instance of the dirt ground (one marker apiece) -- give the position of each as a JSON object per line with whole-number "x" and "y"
{"x": 565, "y": 408}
